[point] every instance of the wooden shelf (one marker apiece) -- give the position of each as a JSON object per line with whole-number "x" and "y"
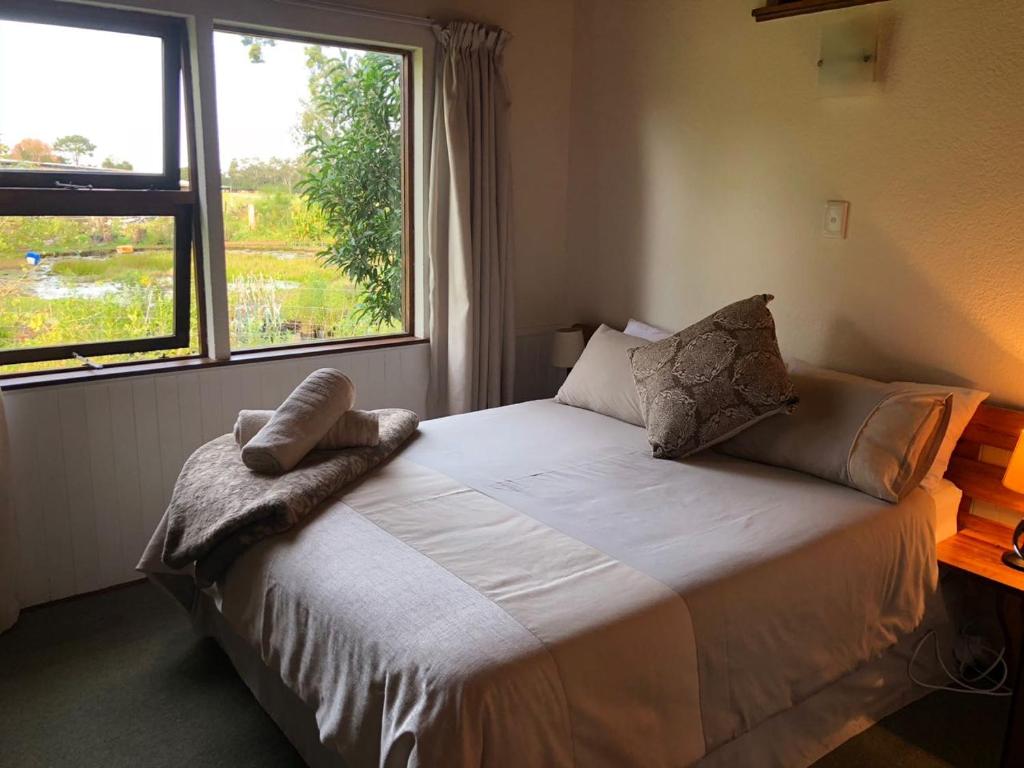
{"x": 781, "y": 9}
{"x": 978, "y": 549}
{"x": 983, "y": 481}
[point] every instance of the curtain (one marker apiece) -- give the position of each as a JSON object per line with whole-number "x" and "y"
{"x": 8, "y": 595}
{"x": 472, "y": 334}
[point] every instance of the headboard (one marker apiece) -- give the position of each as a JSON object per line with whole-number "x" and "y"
{"x": 996, "y": 428}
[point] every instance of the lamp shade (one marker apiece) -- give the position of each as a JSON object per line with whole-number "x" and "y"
{"x": 566, "y": 347}
{"x": 1014, "y": 477}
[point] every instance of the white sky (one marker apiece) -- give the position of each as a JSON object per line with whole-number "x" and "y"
{"x": 56, "y": 81}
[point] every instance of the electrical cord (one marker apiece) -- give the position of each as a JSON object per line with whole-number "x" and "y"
{"x": 963, "y": 683}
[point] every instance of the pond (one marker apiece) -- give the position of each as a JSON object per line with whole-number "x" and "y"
{"x": 276, "y": 296}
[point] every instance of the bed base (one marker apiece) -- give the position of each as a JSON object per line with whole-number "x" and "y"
{"x": 795, "y": 738}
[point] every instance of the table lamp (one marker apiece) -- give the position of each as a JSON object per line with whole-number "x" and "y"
{"x": 566, "y": 347}
{"x": 1014, "y": 480}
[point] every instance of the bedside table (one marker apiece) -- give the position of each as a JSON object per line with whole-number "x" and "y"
{"x": 977, "y": 549}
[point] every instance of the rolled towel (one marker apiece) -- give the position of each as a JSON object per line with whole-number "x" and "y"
{"x": 300, "y": 422}
{"x": 353, "y": 430}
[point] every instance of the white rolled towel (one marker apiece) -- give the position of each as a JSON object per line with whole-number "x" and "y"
{"x": 300, "y": 422}
{"x": 352, "y": 430}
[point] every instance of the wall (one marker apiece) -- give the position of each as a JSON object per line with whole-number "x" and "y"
{"x": 702, "y": 157}
{"x": 93, "y": 464}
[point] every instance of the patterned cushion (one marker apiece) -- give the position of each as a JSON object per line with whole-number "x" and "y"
{"x": 710, "y": 381}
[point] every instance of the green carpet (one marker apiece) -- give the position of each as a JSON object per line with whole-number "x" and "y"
{"x": 119, "y": 679}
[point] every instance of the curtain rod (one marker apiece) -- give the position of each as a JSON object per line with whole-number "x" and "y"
{"x": 358, "y": 10}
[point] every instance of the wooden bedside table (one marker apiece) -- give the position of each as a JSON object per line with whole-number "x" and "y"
{"x": 977, "y": 550}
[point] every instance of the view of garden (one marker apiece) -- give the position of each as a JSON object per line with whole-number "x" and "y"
{"x": 313, "y": 238}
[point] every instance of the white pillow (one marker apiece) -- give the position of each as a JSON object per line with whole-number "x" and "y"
{"x": 602, "y": 379}
{"x": 642, "y": 330}
{"x": 965, "y": 403}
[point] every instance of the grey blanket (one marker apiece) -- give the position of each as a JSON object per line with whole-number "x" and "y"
{"x": 220, "y": 508}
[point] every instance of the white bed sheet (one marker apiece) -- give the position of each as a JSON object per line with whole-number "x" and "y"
{"x": 772, "y": 564}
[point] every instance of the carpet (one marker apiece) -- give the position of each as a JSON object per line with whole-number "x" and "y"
{"x": 120, "y": 679}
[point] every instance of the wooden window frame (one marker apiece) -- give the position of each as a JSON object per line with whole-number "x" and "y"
{"x": 407, "y": 162}
{"x": 171, "y": 31}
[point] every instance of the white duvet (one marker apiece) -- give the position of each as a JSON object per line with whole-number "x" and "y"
{"x": 527, "y": 586}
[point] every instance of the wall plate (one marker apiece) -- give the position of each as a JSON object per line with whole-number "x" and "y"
{"x": 837, "y": 214}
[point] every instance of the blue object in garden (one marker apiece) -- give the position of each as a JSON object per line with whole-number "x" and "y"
{"x": 33, "y": 258}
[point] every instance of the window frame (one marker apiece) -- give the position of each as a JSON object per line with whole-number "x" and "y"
{"x": 172, "y": 31}
{"x": 62, "y": 202}
{"x": 37, "y": 193}
{"x": 202, "y": 196}
{"x": 407, "y": 167}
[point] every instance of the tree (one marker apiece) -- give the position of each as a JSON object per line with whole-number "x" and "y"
{"x": 4, "y": 149}
{"x": 34, "y": 151}
{"x": 75, "y": 145}
{"x": 251, "y": 173}
{"x": 116, "y": 165}
{"x": 255, "y": 45}
{"x": 353, "y": 158}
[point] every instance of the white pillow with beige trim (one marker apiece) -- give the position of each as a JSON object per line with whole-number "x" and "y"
{"x": 965, "y": 403}
{"x": 602, "y": 379}
{"x": 877, "y": 437}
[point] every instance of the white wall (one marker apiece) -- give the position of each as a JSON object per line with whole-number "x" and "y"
{"x": 94, "y": 464}
{"x": 702, "y": 157}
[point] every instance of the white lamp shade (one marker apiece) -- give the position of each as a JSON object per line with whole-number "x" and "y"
{"x": 1014, "y": 477}
{"x": 566, "y": 347}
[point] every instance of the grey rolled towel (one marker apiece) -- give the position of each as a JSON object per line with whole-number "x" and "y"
{"x": 300, "y": 422}
{"x": 352, "y": 430}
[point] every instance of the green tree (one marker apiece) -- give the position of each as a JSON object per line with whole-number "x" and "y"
{"x": 255, "y": 46}
{"x": 253, "y": 174}
{"x": 116, "y": 165}
{"x": 75, "y": 145}
{"x": 353, "y": 158}
{"x": 4, "y": 149}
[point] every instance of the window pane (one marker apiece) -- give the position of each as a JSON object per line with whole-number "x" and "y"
{"x": 312, "y": 177}
{"x": 75, "y": 99}
{"x": 68, "y": 280}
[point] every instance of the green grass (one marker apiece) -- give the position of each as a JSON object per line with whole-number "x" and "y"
{"x": 116, "y": 267}
{"x": 278, "y": 291}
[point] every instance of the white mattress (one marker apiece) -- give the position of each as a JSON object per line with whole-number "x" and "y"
{"x": 770, "y": 564}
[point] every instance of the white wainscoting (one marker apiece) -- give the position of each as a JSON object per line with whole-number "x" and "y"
{"x": 94, "y": 463}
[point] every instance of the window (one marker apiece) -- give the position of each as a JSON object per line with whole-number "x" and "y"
{"x": 96, "y": 233}
{"x": 313, "y": 189}
{"x": 99, "y": 250}
{"x": 98, "y": 102}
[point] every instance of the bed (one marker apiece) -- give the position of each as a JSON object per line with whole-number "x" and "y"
{"x": 526, "y": 586}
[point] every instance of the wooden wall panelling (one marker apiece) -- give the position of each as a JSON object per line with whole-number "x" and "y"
{"x": 94, "y": 462}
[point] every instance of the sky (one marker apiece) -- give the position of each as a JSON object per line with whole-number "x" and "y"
{"x": 56, "y": 81}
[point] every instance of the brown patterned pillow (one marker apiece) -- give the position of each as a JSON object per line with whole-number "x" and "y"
{"x": 712, "y": 380}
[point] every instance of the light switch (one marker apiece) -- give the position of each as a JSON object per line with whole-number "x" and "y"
{"x": 836, "y": 214}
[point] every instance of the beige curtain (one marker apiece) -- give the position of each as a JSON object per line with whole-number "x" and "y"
{"x": 8, "y": 594}
{"x": 471, "y": 324}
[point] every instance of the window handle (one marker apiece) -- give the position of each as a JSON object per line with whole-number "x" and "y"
{"x": 86, "y": 361}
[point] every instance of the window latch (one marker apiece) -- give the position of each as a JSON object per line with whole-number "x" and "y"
{"x": 72, "y": 185}
{"x": 86, "y": 361}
